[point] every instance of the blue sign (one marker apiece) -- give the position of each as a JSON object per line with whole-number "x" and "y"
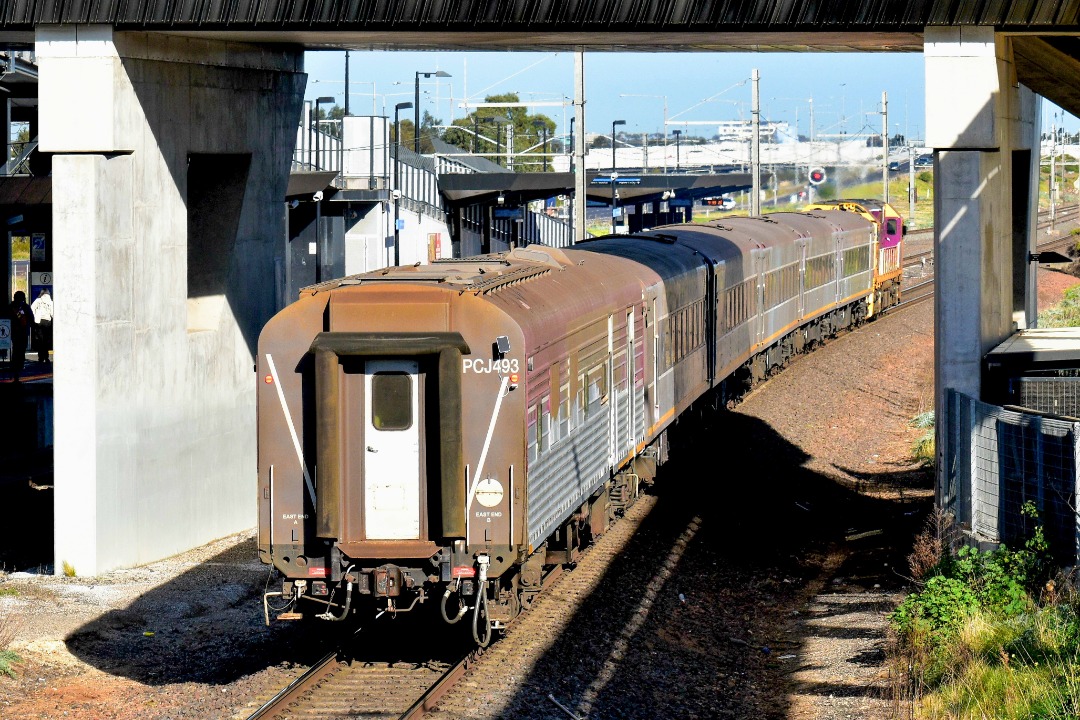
{"x": 509, "y": 213}
{"x": 606, "y": 180}
{"x": 681, "y": 202}
{"x": 399, "y": 224}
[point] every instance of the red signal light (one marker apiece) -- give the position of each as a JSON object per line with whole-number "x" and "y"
{"x": 817, "y": 176}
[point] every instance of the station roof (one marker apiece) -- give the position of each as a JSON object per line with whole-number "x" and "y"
{"x": 480, "y": 188}
{"x": 1036, "y": 346}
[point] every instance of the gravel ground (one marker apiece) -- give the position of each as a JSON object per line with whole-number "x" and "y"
{"x": 755, "y": 586}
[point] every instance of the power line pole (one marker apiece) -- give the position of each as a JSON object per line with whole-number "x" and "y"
{"x": 579, "y": 146}
{"x": 911, "y": 183}
{"x": 755, "y": 144}
{"x": 885, "y": 146}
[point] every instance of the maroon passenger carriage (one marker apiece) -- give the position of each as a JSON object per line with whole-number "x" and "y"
{"x": 446, "y": 431}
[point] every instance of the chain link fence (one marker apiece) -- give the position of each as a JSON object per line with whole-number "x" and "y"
{"x": 997, "y": 460}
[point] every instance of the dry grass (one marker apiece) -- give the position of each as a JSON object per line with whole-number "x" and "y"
{"x": 8, "y": 657}
{"x": 931, "y": 544}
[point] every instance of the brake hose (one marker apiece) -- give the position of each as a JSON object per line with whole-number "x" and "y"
{"x": 481, "y": 604}
{"x": 462, "y": 607}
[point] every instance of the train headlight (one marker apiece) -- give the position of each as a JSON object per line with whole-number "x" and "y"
{"x": 489, "y": 492}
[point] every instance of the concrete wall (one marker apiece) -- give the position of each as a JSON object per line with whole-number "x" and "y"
{"x": 155, "y": 402}
{"x": 983, "y": 126}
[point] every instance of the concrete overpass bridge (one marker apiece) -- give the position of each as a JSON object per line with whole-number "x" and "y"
{"x": 171, "y": 125}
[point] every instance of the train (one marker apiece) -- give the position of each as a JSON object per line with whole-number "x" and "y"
{"x": 449, "y": 432}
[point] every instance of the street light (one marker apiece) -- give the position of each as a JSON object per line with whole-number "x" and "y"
{"x": 416, "y": 105}
{"x": 397, "y": 179}
{"x": 318, "y": 102}
{"x": 614, "y": 173}
{"x": 676, "y": 133}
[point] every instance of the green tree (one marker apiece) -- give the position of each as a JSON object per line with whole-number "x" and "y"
{"x": 333, "y": 116}
{"x": 528, "y": 131}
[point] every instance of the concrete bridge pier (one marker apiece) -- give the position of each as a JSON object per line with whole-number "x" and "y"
{"x": 171, "y": 162}
{"x": 984, "y": 128}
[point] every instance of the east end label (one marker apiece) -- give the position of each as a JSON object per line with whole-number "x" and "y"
{"x": 479, "y": 366}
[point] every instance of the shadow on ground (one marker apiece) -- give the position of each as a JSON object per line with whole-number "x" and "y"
{"x": 744, "y": 526}
{"x": 764, "y": 526}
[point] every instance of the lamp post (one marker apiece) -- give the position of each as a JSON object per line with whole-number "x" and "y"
{"x": 416, "y": 105}
{"x": 397, "y": 179}
{"x": 318, "y": 102}
{"x": 614, "y": 173}
{"x": 677, "y": 134}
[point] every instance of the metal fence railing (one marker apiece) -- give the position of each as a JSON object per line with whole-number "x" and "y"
{"x": 997, "y": 460}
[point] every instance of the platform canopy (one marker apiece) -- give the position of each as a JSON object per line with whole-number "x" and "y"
{"x": 517, "y": 188}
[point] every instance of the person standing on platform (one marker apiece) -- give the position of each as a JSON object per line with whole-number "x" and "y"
{"x": 43, "y": 316}
{"x": 22, "y": 317}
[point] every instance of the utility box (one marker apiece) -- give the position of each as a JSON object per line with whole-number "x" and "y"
{"x": 1037, "y": 369}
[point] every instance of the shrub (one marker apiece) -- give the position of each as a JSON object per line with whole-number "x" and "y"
{"x": 925, "y": 176}
{"x": 939, "y": 608}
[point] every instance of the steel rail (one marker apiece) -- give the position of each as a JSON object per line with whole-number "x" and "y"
{"x": 443, "y": 685}
{"x": 311, "y": 676}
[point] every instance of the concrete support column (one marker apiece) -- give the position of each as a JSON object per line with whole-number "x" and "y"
{"x": 170, "y": 169}
{"x": 982, "y": 126}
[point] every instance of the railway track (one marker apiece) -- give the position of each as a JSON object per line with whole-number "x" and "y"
{"x": 349, "y": 683}
{"x": 344, "y": 685}
{"x": 918, "y": 281}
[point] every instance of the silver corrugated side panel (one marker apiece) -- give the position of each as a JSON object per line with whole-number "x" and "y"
{"x": 560, "y": 481}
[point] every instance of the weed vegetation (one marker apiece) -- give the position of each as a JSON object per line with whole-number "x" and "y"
{"x": 8, "y": 657}
{"x": 924, "y": 450}
{"x": 1064, "y": 314}
{"x": 988, "y": 634}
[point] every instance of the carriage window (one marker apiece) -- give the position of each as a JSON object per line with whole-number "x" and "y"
{"x": 890, "y": 226}
{"x": 543, "y": 427}
{"x": 532, "y": 433}
{"x": 391, "y": 401}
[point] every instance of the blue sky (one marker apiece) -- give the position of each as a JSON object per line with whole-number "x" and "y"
{"x": 845, "y": 88}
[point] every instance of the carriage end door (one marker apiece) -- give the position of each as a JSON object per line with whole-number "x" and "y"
{"x": 393, "y": 458}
